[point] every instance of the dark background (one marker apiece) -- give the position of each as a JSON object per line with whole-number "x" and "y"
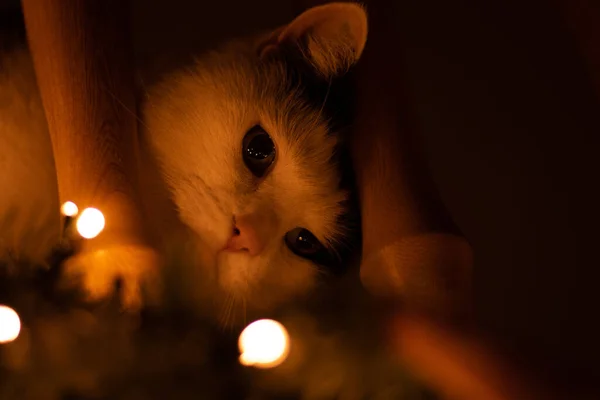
{"x": 507, "y": 106}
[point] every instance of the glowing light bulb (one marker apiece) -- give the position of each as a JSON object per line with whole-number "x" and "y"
{"x": 90, "y": 223}
{"x": 10, "y": 324}
{"x": 69, "y": 209}
{"x": 264, "y": 344}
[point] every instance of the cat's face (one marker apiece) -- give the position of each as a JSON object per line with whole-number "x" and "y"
{"x": 249, "y": 160}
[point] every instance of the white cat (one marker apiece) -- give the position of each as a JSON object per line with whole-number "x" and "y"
{"x": 246, "y": 157}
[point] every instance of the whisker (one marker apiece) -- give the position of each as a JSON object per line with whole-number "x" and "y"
{"x": 229, "y": 312}
{"x": 126, "y": 108}
{"x": 228, "y": 316}
{"x": 209, "y": 193}
{"x": 224, "y": 312}
{"x": 143, "y": 84}
{"x": 320, "y": 270}
{"x": 325, "y": 99}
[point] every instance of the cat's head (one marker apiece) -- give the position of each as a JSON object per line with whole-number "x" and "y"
{"x": 249, "y": 155}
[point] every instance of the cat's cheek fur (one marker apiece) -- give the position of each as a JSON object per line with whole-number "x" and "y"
{"x": 204, "y": 216}
{"x": 267, "y": 280}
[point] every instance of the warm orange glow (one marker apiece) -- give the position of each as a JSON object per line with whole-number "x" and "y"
{"x": 90, "y": 223}
{"x": 10, "y": 324}
{"x": 264, "y": 344}
{"x": 69, "y": 209}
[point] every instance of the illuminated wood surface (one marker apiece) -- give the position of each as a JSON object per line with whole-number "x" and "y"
{"x": 82, "y": 60}
{"x": 411, "y": 248}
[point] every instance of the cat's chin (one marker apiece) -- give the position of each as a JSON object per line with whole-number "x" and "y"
{"x": 234, "y": 273}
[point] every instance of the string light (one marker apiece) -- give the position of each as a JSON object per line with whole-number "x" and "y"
{"x": 10, "y": 324}
{"x": 90, "y": 223}
{"x": 264, "y": 344}
{"x": 69, "y": 209}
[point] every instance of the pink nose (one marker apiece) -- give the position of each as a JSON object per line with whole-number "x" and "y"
{"x": 244, "y": 238}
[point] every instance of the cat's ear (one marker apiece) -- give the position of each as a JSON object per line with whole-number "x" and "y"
{"x": 330, "y": 37}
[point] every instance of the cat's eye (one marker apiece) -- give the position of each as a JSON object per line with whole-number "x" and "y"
{"x": 304, "y": 244}
{"x": 258, "y": 151}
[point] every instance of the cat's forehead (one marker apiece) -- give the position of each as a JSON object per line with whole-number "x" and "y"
{"x": 225, "y": 93}
{"x": 204, "y": 113}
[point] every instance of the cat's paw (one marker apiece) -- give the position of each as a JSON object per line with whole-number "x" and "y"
{"x": 97, "y": 271}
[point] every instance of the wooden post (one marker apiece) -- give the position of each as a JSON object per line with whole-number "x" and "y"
{"x": 82, "y": 61}
{"x": 411, "y": 248}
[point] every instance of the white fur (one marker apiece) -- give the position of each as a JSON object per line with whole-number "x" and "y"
{"x": 193, "y": 126}
{"x": 196, "y": 121}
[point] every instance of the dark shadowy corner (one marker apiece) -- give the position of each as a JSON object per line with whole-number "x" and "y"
{"x": 507, "y": 106}
{"x": 11, "y": 27}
